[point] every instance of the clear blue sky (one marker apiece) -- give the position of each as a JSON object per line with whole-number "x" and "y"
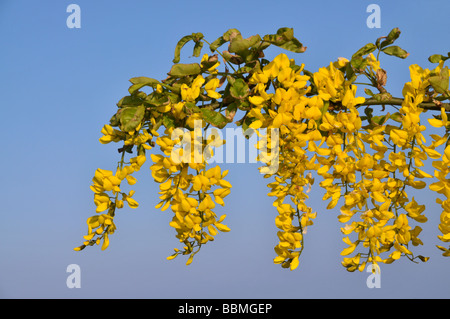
{"x": 58, "y": 86}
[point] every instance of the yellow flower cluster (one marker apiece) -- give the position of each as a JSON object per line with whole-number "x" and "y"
{"x": 306, "y": 127}
{"x": 106, "y": 186}
{"x": 187, "y": 186}
{"x": 323, "y": 133}
{"x": 191, "y": 196}
{"x": 442, "y": 186}
{"x": 384, "y": 182}
{"x": 192, "y": 92}
{"x": 284, "y": 111}
{"x": 442, "y": 169}
{"x": 365, "y": 169}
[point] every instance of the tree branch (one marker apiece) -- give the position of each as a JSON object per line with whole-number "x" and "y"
{"x": 434, "y": 106}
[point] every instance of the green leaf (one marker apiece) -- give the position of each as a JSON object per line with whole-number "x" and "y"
{"x": 196, "y": 37}
{"x": 115, "y": 120}
{"x": 396, "y": 51}
{"x": 198, "y": 48}
{"x": 168, "y": 120}
{"x": 141, "y": 81}
{"x": 239, "y": 89}
{"x": 241, "y": 46}
{"x": 192, "y": 107}
{"x": 380, "y": 120}
{"x": 287, "y": 33}
{"x": 231, "y": 34}
{"x": 294, "y": 46}
{"x": 214, "y": 118}
{"x": 233, "y": 58}
{"x": 283, "y": 35}
{"x": 180, "y": 70}
{"x": 129, "y": 100}
{"x": 284, "y": 38}
{"x": 179, "y": 46}
{"x": 391, "y": 37}
{"x": 397, "y": 117}
{"x": 369, "y": 92}
{"x": 130, "y": 117}
{"x": 230, "y": 112}
{"x": 157, "y": 99}
{"x": 436, "y": 58}
{"x": 368, "y": 48}
{"x": 358, "y": 63}
{"x": 349, "y": 73}
{"x": 440, "y": 81}
{"x": 217, "y": 43}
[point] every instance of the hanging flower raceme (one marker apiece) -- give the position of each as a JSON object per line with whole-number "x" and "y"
{"x": 108, "y": 196}
{"x": 308, "y": 125}
{"x": 190, "y": 190}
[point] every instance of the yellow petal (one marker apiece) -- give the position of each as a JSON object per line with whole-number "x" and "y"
{"x": 222, "y": 227}
{"x": 294, "y": 263}
{"x": 435, "y": 122}
{"x": 348, "y": 251}
{"x": 256, "y": 124}
{"x": 105, "y": 241}
{"x": 225, "y": 183}
{"x": 256, "y": 100}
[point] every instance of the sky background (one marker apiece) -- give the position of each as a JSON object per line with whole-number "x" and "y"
{"x": 59, "y": 86}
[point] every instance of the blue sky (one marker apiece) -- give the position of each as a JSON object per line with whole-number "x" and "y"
{"x": 60, "y": 85}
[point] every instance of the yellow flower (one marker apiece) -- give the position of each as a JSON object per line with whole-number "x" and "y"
{"x": 399, "y": 137}
{"x": 212, "y": 69}
{"x": 110, "y": 135}
{"x": 131, "y": 202}
{"x": 329, "y": 82}
{"x": 189, "y": 94}
{"x": 259, "y": 78}
{"x": 443, "y": 122}
{"x": 211, "y": 87}
{"x": 419, "y": 77}
{"x": 373, "y": 62}
{"x": 349, "y": 99}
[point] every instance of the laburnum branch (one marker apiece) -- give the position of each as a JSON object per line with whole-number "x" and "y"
{"x": 365, "y": 169}
{"x": 436, "y": 105}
